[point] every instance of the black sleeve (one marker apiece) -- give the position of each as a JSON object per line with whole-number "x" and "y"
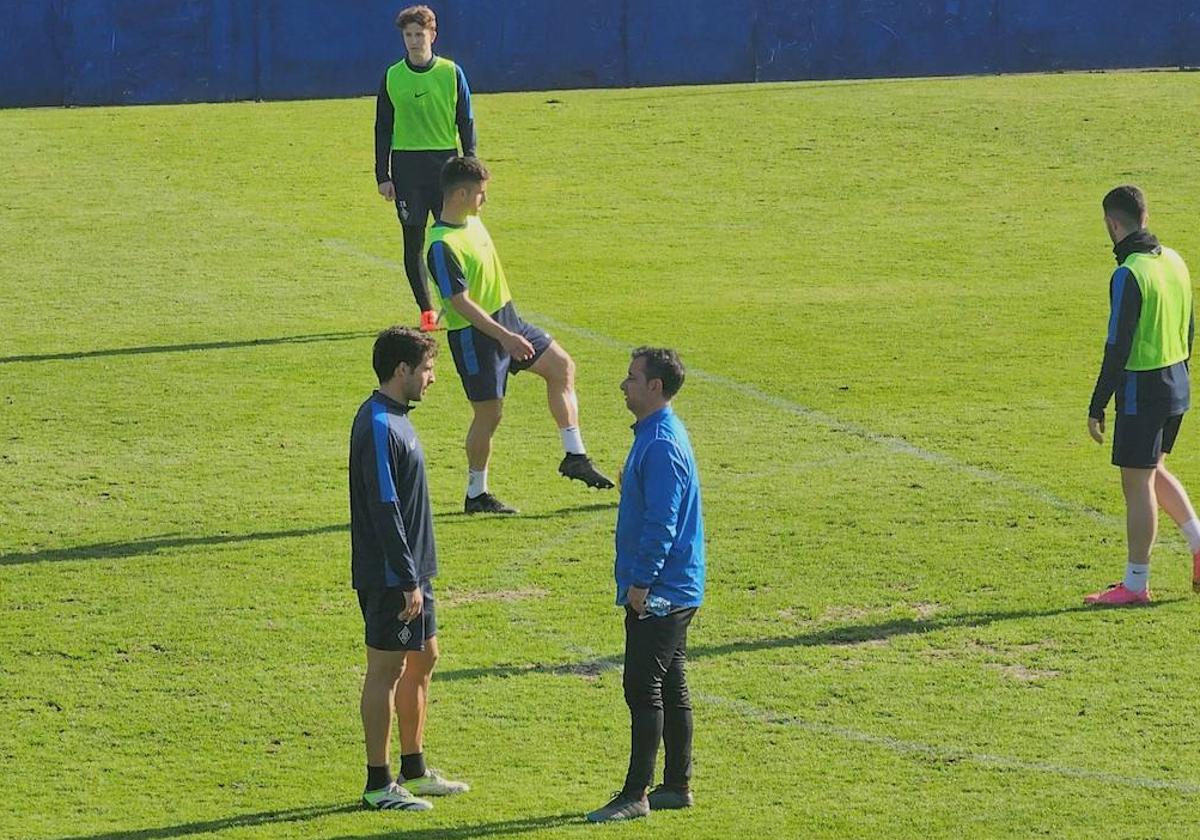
{"x": 1191, "y": 332}
{"x": 445, "y": 270}
{"x": 464, "y": 116}
{"x": 385, "y": 115}
{"x": 384, "y": 508}
{"x": 1126, "y": 309}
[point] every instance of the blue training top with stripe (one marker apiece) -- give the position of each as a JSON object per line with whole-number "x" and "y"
{"x": 391, "y": 521}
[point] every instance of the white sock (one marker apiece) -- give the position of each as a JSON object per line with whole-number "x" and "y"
{"x": 476, "y": 482}
{"x": 572, "y": 440}
{"x": 1191, "y": 530}
{"x": 1137, "y": 576}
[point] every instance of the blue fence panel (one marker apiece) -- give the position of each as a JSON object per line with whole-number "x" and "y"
{"x": 1081, "y": 34}
{"x": 680, "y": 42}
{"x": 129, "y": 51}
{"x": 535, "y": 44}
{"x": 326, "y": 48}
{"x": 30, "y": 42}
{"x": 827, "y": 39}
{"x": 158, "y": 51}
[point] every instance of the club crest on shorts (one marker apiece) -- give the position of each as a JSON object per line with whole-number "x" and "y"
{"x": 405, "y": 634}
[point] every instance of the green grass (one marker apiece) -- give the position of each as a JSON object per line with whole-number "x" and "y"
{"x": 891, "y": 296}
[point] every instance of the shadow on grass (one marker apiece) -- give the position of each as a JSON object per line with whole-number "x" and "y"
{"x": 410, "y": 830}
{"x": 154, "y": 544}
{"x": 183, "y": 348}
{"x": 505, "y": 828}
{"x": 456, "y": 517}
{"x": 290, "y": 815}
{"x": 850, "y": 635}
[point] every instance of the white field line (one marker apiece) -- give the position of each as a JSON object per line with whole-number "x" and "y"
{"x": 896, "y": 445}
{"x": 596, "y": 664}
{"x": 893, "y": 444}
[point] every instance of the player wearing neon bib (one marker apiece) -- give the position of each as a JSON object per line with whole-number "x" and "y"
{"x": 1150, "y": 330}
{"x": 489, "y": 340}
{"x": 423, "y": 103}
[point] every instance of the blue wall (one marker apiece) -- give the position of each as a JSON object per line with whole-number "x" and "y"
{"x": 91, "y": 52}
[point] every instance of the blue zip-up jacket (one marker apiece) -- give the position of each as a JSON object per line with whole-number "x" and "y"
{"x": 660, "y": 526}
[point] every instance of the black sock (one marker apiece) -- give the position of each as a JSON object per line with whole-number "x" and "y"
{"x": 412, "y": 766}
{"x": 378, "y": 777}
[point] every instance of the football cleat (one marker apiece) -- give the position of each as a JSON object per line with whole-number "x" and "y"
{"x": 1118, "y": 596}
{"x": 433, "y": 783}
{"x": 394, "y": 797}
{"x": 581, "y": 468}
{"x": 486, "y": 503}
{"x": 621, "y": 807}
{"x": 664, "y": 798}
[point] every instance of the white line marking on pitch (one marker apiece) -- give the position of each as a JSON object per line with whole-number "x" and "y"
{"x": 892, "y": 443}
{"x": 596, "y": 663}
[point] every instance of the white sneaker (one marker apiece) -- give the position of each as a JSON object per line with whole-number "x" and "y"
{"x": 394, "y": 797}
{"x": 433, "y": 783}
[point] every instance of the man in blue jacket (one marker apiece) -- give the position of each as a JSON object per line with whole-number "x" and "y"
{"x": 660, "y": 581}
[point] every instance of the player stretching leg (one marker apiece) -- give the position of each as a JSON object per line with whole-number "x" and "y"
{"x": 489, "y": 340}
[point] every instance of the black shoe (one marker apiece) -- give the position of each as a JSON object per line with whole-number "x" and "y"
{"x": 664, "y": 798}
{"x": 581, "y": 468}
{"x": 621, "y": 807}
{"x": 486, "y": 503}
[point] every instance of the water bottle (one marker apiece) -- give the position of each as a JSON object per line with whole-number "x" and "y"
{"x": 657, "y": 605}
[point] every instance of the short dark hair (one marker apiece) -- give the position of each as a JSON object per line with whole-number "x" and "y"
{"x": 1126, "y": 204}
{"x": 463, "y": 170}
{"x": 664, "y": 364}
{"x": 400, "y": 344}
{"x": 422, "y": 16}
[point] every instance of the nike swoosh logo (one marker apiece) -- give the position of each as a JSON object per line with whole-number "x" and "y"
{"x": 419, "y": 95}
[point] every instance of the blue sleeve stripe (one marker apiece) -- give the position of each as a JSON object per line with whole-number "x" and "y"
{"x": 1131, "y": 392}
{"x": 438, "y": 249}
{"x": 470, "y": 357}
{"x": 464, "y": 93}
{"x": 1118, "y": 292}
{"x": 383, "y": 466}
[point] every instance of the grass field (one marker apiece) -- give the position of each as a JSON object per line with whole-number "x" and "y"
{"x": 892, "y": 299}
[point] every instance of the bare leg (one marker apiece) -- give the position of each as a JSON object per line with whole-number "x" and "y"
{"x": 1172, "y": 496}
{"x": 1141, "y": 512}
{"x": 384, "y": 668}
{"x": 483, "y": 427}
{"x": 558, "y": 369}
{"x": 412, "y": 694}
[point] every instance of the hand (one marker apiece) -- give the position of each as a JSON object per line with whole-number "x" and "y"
{"x": 388, "y": 190}
{"x": 637, "y": 599}
{"x": 1096, "y": 429}
{"x": 517, "y": 347}
{"x": 413, "y": 604}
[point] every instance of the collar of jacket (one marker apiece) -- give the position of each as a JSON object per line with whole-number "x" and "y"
{"x": 1139, "y": 242}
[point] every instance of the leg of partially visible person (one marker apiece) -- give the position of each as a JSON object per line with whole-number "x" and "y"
{"x": 1141, "y": 524}
{"x": 414, "y": 265}
{"x": 677, "y": 716}
{"x": 1173, "y": 498}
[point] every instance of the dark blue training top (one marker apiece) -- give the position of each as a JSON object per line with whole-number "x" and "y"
{"x": 1163, "y": 390}
{"x": 391, "y": 522}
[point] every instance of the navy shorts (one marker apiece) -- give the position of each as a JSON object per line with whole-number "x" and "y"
{"x": 1139, "y": 440}
{"x": 482, "y": 363}
{"x": 381, "y": 610}
{"x": 417, "y": 179}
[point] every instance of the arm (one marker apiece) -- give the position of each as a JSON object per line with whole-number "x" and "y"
{"x": 464, "y": 117}
{"x": 664, "y": 473}
{"x": 1126, "y": 308}
{"x": 383, "y": 507}
{"x": 447, "y": 272}
{"x": 385, "y": 113}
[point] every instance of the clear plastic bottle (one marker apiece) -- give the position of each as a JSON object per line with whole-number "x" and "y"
{"x": 657, "y": 605}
